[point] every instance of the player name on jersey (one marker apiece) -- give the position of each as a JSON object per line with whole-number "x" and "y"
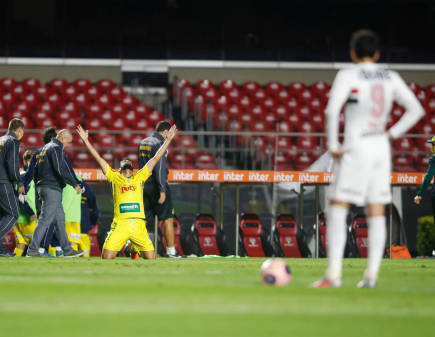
{"x": 240, "y": 176}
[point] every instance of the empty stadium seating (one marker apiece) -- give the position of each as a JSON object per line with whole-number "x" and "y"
{"x": 225, "y": 106}
{"x": 286, "y": 230}
{"x": 297, "y": 107}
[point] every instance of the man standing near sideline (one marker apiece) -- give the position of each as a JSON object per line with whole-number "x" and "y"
{"x": 363, "y": 161}
{"x": 428, "y": 178}
{"x": 10, "y": 178}
{"x": 157, "y": 194}
{"x": 51, "y": 175}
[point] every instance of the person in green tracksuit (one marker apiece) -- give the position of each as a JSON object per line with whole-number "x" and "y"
{"x": 72, "y": 206}
{"x": 27, "y": 219}
{"x": 428, "y": 178}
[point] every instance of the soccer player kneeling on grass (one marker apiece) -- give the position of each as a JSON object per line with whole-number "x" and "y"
{"x": 127, "y": 189}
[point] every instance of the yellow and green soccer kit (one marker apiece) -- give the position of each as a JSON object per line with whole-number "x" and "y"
{"x": 129, "y": 216}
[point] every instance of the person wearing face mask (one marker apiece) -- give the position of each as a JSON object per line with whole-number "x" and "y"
{"x": 51, "y": 176}
{"x": 127, "y": 191}
{"x": 10, "y": 180}
{"x": 428, "y": 178}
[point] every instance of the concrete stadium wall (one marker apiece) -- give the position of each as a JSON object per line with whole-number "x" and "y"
{"x": 285, "y": 76}
{"x": 45, "y": 73}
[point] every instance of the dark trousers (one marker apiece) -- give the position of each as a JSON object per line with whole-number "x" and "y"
{"x": 433, "y": 206}
{"x": 8, "y": 208}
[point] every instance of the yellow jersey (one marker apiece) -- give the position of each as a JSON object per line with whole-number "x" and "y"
{"x": 128, "y": 193}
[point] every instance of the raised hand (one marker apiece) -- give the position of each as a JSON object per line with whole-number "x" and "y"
{"x": 172, "y": 132}
{"x": 82, "y": 133}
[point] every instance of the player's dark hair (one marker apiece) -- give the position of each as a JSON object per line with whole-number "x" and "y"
{"x": 49, "y": 134}
{"x": 126, "y": 164}
{"x": 27, "y": 155}
{"x": 15, "y": 124}
{"x": 162, "y": 126}
{"x": 365, "y": 43}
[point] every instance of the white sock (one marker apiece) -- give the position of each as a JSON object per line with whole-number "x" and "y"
{"x": 377, "y": 236}
{"x": 170, "y": 250}
{"x": 336, "y": 234}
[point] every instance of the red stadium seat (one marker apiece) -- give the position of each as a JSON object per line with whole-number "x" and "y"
{"x": 69, "y": 94}
{"x": 283, "y": 162}
{"x": 206, "y": 230}
{"x": 226, "y": 86}
{"x": 7, "y": 84}
{"x": 414, "y": 87}
{"x": 82, "y": 85}
{"x": 287, "y": 230}
{"x": 116, "y": 94}
{"x": 318, "y": 122}
{"x": 305, "y": 113}
{"x": 118, "y": 124}
{"x": 284, "y": 143}
{"x": 177, "y": 231}
{"x": 303, "y": 161}
{"x": 284, "y": 126}
{"x": 295, "y": 121}
{"x": 31, "y": 100}
{"x": 359, "y": 225}
{"x": 129, "y": 101}
{"x": 58, "y": 85}
{"x": 3, "y": 122}
{"x": 307, "y": 143}
{"x": 316, "y": 106}
{"x": 94, "y": 124}
{"x": 281, "y": 112}
{"x": 258, "y": 112}
{"x": 30, "y": 85}
{"x": 105, "y": 140}
{"x": 269, "y": 104}
{"x": 274, "y": 88}
{"x": 92, "y": 94}
{"x": 95, "y": 248}
{"x": 9, "y": 241}
{"x": 250, "y": 87}
{"x": 282, "y": 97}
{"x": 220, "y": 121}
{"x": 32, "y": 139}
{"x": 81, "y": 101}
{"x": 259, "y": 96}
{"x": 84, "y": 160}
{"x": 108, "y": 118}
{"x": 245, "y": 103}
{"x": 234, "y": 111}
{"x": 292, "y": 105}
{"x": 41, "y": 94}
{"x": 430, "y": 91}
{"x": 403, "y": 163}
{"x": 222, "y": 103}
{"x": 105, "y": 86}
{"x": 204, "y": 85}
{"x": 404, "y": 144}
{"x": 143, "y": 110}
{"x": 422, "y": 163}
{"x": 306, "y": 97}
{"x": 234, "y": 126}
{"x": 93, "y": 111}
{"x": 259, "y": 126}
{"x": 131, "y": 118}
{"x": 234, "y": 95}
{"x": 246, "y": 119}
{"x": 155, "y": 117}
{"x": 250, "y": 230}
{"x": 319, "y": 89}
{"x": 296, "y": 89}
{"x": 210, "y": 95}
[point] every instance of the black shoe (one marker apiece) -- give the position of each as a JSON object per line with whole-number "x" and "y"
{"x": 7, "y": 254}
{"x": 74, "y": 253}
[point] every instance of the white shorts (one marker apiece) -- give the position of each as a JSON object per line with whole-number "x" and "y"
{"x": 362, "y": 176}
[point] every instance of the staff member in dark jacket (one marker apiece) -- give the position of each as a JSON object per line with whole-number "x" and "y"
{"x": 9, "y": 177}
{"x": 89, "y": 217}
{"x": 157, "y": 194}
{"x": 428, "y": 178}
{"x": 51, "y": 176}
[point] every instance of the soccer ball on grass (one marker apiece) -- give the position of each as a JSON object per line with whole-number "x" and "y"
{"x": 275, "y": 272}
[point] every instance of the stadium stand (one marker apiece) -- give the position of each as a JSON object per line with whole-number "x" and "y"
{"x": 106, "y": 109}
{"x": 360, "y": 231}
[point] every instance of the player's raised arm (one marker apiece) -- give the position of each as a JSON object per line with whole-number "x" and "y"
{"x": 85, "y": 138}
{"x": 154, "y": 160}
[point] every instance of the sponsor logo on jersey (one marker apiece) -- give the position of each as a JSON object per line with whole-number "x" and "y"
{"x": 129, "y": 207}
{"x": 125, "y": 189}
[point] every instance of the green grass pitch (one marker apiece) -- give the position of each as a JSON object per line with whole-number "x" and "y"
{"x": 209, "y": 297}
